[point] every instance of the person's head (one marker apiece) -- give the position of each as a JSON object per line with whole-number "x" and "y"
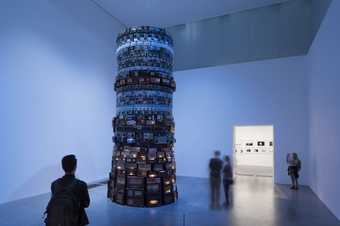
{"x": 295, "y": 156}
{"x": 227, "y": 159}
{"x": 217, "y": 154}
{"x": 69, "y": 164}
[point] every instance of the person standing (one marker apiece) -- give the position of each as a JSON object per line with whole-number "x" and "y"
{"x": 69, "y": 199}
{"x": 215, "y": 166}
{"x": 227, "y": 178}
{"x": 294, "y": 167}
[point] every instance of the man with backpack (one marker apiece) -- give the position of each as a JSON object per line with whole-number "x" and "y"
{"x": 69, "y": 198}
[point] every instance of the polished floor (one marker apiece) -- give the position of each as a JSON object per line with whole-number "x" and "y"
{"x": 254, "y": 171}
{"x": 256, "y": 202}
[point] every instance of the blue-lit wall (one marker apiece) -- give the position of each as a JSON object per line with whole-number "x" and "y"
{"x": 210, "y": 101}
{"x": 324, "y": 58}
{"x": 56, "y": 76}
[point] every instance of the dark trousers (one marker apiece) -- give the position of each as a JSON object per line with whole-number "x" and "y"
{"x": 226, "y": 186}
{"x": 295, "y": 182}
{"x": 293, "y": 172}
{"x": 215, "y": 188}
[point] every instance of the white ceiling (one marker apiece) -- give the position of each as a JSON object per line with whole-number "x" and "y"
{"x": 165, "y": 13}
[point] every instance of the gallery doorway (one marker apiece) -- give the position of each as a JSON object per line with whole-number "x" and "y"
{"x": 253, "y": 150}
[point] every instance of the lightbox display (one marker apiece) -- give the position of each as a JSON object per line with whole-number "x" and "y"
{"x": 143, "y": 164}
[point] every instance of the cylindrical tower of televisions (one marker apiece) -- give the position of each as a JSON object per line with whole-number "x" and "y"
{"x": 143, "y": 164}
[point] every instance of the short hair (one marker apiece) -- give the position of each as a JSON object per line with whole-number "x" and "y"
{"x": 69, "y": 163}
{"x": 217, "y": 153}
{"x": 227, "y": 158}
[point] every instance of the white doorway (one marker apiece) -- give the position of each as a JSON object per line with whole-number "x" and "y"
{"x": 253, "y": 150}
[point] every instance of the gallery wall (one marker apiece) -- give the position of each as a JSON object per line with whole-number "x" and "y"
{"x": 324, "y": 58}
{"x": 56, "y": 76}
{"x": 209, "y": 102}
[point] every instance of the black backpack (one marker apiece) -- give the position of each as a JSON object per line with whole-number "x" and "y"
{"x": 63, "y": 208}
{"x": 299, "y": 165}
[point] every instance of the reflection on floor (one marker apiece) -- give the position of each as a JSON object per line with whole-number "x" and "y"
{"x": 254, "y": 171}
{"x": 256, "y": 202}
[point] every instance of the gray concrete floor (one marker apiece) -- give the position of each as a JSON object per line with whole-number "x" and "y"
{"x": 256, "y": 202}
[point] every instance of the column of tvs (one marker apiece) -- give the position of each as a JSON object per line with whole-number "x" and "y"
{"x": 143, "y": 164}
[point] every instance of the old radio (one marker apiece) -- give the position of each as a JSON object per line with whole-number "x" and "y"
{"x": 134, "y": 182}
{"x": 153, "y": 185}
{"x": 161, "y": 156}
{"x": 131, "y": 166}
{"x": 119, "y": 197}
{"x": 167, "y": 189}
{"x": 152, "y": 154}
{"x": 120, "y": 183}
{"x": 170, "y": 165}
{"x": 158, "y": 167}
{"x": 167, "y": 180}
{"x": 141, "y": 158}
{"x": 137, "y": 202}
{"x": 153, "y": 188}
{"x": 131, "y": 193}
{"x": 120, "y": 173}
{"x": 169, "y": 198}
{"x": 120, "y": 165}
{"x": 153, "y": 180}
{"x": 144, "y": 167}
{"x": 110, "y": 190}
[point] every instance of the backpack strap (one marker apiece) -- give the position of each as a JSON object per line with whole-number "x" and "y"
{"x": 60, "y": 188}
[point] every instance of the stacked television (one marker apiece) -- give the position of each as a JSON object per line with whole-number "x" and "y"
{"x": 143, "y": 164}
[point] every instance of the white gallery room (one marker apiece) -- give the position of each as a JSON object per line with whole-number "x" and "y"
{"x": 169, "y": 112}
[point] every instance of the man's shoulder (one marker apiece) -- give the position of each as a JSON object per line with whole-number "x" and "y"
{"x": 216, "y": 160}
{"x": 81, "y": 183}
{"x": 57, "y": 181}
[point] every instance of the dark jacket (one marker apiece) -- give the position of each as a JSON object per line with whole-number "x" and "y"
{"x": 227, "y": 172}
{"x": 80, "y": 191}
{"x": 293, "y": 170}
{"x": 215, "y": 166}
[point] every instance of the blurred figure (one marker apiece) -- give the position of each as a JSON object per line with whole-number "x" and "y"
{"x": 227, "y": 178}
{"x": 294, "y": 167}
{"x": 215, "y": 166}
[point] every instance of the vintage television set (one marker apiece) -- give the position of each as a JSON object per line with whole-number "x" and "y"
{"x": 135, "y": 198}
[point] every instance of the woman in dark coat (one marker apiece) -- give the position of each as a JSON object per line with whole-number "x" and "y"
{"x": 294, "y": 167}
{"x": 227, "y": 178}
